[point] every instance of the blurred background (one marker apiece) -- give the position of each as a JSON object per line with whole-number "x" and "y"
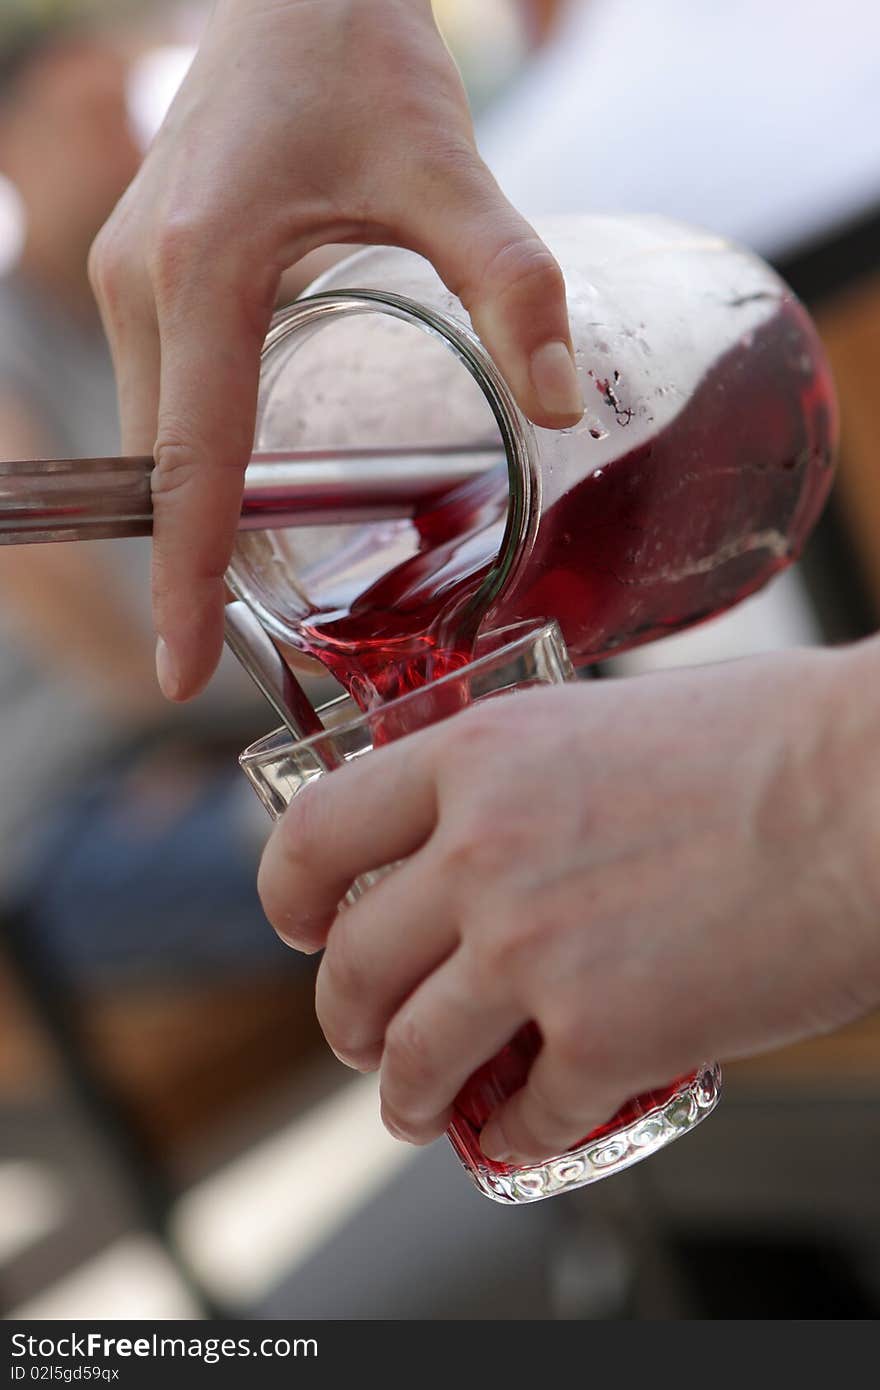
{"x": 175, "y": 1139}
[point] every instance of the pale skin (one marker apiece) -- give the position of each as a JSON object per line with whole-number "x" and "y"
{"x": 659, "y": 872}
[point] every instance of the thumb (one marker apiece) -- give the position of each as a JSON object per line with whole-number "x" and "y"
{"x": 511, "y": 285}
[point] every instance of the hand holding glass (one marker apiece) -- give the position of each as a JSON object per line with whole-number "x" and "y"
{"x": 506, "y": 662}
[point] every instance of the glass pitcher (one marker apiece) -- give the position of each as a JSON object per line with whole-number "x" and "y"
{"x": 701, "y": 463}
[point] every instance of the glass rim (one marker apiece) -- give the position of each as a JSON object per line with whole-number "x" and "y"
{"x": 530, "y": 631}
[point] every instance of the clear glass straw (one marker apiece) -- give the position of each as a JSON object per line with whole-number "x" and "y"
{"x": 86, "y": 499}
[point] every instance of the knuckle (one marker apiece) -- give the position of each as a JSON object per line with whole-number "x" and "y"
{"x": 458, "y": 858}
{"x": 408, "y": 1055}
{"x": 348, "y": 1035}
{"x": 404, "y": 1127}
{"x": 351, "y": 1047}
{"x": 301, "y": 828}
{"x": 177, "y": 465}
{"x": 284, "y": 869}
{"x": 478, "y": 855}
{"x": 109, "y": 266}
{"x": 178, "y": 246}
{"x": 468, "y": 741}
{"x": 525, "y": 264}
{"x": 503, "y": 955}
{"x": 551, "y": 1127}
{"x": 454, "y": 158}
{"x": 396, "y": 1125}
{"x": 293, "y": 843}
{"x": 504, "y": 845}
{"x": 342, "y": 978}
{"x": 473, "y": 735}
{"x": 569, "y": 1043}
{"x": 552, "y": 1119}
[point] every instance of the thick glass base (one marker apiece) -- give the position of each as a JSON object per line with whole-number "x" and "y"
{"x": 601, "y": 1156}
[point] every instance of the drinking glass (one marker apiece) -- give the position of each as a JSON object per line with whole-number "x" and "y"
{"x": 506, "y": 663}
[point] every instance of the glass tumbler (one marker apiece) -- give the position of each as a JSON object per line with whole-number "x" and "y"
{"x": 506, "y": 663}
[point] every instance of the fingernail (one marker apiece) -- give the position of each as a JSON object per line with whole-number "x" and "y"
{"x": 346, "y": 1062}
{"x": 302, "y": 948}
{"x": 367, "y": 1061}
{"x": 395, "y": 1133}
{"x": 494, "y": 1144}
{"x": 555, "y": 380}
{"x": 166, "y": 671}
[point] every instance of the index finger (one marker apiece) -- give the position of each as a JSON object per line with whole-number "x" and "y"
{"x": 352, "y": 821}
{"x": 211, "y": 345}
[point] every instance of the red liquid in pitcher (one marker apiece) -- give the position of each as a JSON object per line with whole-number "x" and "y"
{"x": 666, "y": 534}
